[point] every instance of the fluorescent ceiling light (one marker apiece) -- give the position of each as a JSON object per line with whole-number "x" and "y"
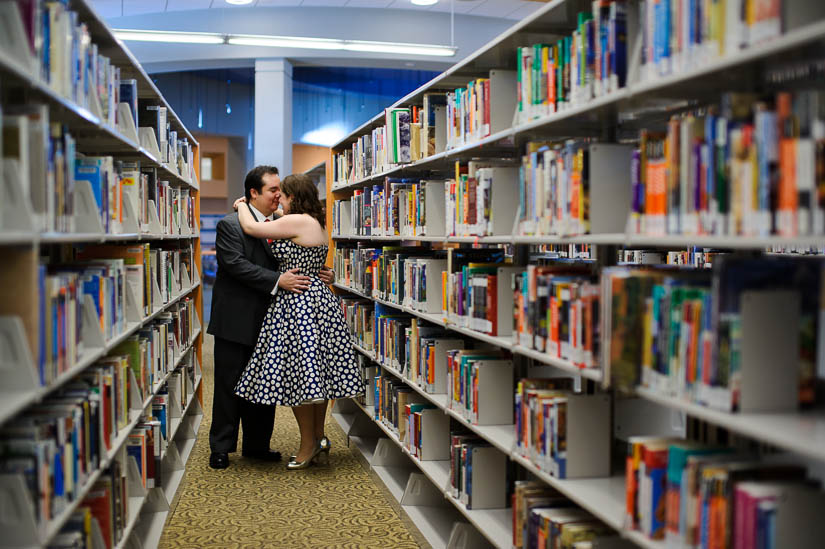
{"x": 284, "y": 42}
{"x": 391, "y": 47}
{"x": 239, "y": 2}
{"x": 170, "y": 36}
{"x": 420, "y": 2}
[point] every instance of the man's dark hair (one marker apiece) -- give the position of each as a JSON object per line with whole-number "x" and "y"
{"x": 255, "y": 179}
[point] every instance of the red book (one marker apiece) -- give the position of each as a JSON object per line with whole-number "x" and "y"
{"x": 487, "y": 101}
{"x": 492, "y": 303}
{"x": 99, "y": 502}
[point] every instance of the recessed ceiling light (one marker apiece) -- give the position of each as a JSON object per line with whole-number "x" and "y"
{"x": 422, "y": 2}
{"x": 239, "y": 2}
{"x": 283, "y": 42}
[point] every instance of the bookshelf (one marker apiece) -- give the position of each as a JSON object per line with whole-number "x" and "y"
{"x": 382, "y": 228}
{"x": 101, "y": 287}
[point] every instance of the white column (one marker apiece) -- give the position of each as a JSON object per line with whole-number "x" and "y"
{"x": 273, "y": 114}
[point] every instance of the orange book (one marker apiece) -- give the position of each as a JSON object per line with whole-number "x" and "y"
{"x": 787, "y": 187}
{"x": 431, "y": 365}
{"x": 553, "y": 347}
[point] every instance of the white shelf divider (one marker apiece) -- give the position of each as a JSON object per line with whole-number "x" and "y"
{"x": 126, "y": 123}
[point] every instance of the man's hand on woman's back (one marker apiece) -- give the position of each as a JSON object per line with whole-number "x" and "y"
{"x": 293, "y": 282}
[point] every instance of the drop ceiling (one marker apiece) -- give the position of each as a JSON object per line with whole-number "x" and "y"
{"x": 505, "y": 9}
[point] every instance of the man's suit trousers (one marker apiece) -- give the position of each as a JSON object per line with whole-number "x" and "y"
{"x": 228, "y": 409}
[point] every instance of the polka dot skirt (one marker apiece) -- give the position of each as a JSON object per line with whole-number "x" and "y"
{"x": 304, "y": 350}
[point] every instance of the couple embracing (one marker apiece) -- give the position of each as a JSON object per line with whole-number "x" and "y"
{"x": 280, "y": 334}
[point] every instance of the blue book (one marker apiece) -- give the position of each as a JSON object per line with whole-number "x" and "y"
{"x": 89, "y": 169}
{"x": 377, "y": 399}
{"x": 41, "y": 358}
{"x": 129, "y": 95}
{"x": 136, "y": 452}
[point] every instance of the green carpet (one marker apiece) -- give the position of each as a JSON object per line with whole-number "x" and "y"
{"x": 255, "y": 505}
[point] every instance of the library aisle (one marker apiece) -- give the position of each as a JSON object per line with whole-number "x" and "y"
{"x": 254, "y": 504}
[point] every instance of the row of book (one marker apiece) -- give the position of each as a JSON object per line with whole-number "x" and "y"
{"x": 683, "y": 35}
{"x": 41, "y": 156}
{"x": 118, "y": 185}
{"x": 59, "y": 443}
{"x": 480, "y": 385}
{"x": 474, "y": 379}
{"x": 364, "y": 158}
{"x": 556, "y": 183}
{"x": 425, "y": 431}
{"x": 679, "y": 332}
{"x": 697, "y": 257}
{"x": 687, "y": 333}
{"x": 557, "y": 311}
{"x": 165, "y": 265}
{"x": 750, "y": 166}
{"x": 107, "y": 501}
{"x": 590, "y": 62}
{"x": 697, "y": 495}
{"x": 479, "y": 109}
{"x": 476, "y": 203}
{"x": 103, "y": 275}
{"x": 155, "y": 350}
{"x": 745, "y": 168}
{"x": 543, "y": 517}
{"x": 62, "y": 295}
{"x": 67, "y": 59}
{"x": 176, "y": 152}
{"x": 693, "y": 494}
{"x": 69, "y": 62}
{"x": 414, "y": 133}
{"x": 106, "y": 506}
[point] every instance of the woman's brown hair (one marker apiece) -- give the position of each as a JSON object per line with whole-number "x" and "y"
{"x": 304, "y": 195}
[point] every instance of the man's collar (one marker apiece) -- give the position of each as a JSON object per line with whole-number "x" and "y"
{"x": 258, "y": 215}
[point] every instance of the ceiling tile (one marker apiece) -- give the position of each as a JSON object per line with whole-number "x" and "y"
{"x": 495, "y": 8}
{"x": 460, "y": 7}
{"x": 107, "y": 8}
{"x": 277, "y": 3}
{"x": 329, "y": 3}
{"x": 369, "y": 3}
{"x": 524, "y": 10}
{"x": 138, "y": 7}
{"x": 180, "y": 5}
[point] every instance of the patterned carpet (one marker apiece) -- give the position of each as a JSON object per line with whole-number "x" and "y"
{"x": 256, "y": 505}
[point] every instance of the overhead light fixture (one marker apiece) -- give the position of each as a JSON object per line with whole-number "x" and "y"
{"x": 421, "y": 2}
{"x": 239, "y": 2}
{"x": 284, "y": 42}
{"x": 393, "y": 47}
{"x": 170, "y": 36}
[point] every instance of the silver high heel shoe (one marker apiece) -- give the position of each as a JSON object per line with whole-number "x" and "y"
{"x": 324, "y": 444}
{"x": 294, "y": 465}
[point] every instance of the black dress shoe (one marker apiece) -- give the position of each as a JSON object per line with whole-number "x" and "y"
{"x": 266, "y": 455}
{"x": 219, "y": 460}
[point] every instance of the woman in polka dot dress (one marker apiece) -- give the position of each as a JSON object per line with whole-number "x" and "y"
{"x": 303, "y": 357}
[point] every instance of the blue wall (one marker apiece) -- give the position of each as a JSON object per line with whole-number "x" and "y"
{"x": 341, "y": 99}
{"x": 334, "y": 100}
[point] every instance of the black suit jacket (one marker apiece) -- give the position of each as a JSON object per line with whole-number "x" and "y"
{"x": 247, "y": 273}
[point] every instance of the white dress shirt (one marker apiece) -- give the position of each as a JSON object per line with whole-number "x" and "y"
{"x": 258, "y": 216}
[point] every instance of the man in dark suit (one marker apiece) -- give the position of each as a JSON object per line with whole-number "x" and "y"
{"x": 247, "y": 279}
